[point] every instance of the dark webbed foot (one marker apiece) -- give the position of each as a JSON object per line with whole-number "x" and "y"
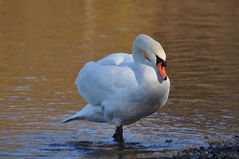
{"x": 118, "y": 135}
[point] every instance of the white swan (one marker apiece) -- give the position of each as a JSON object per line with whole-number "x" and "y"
{"x": 122, "y": 88}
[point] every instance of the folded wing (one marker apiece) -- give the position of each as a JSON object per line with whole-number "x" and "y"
{"x": 98, "y": 81}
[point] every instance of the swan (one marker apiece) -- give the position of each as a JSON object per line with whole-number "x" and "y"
{"x": 122, "y": 88}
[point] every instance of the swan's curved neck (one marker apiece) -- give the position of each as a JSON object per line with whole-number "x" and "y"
{"x": 141, "y": 44}
{"x": 138, "y": 54}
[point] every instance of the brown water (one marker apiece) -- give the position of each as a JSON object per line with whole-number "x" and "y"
{"x": 44, "y": 44}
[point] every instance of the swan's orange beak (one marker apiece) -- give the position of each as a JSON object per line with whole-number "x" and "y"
{"x": 162, "y": 71}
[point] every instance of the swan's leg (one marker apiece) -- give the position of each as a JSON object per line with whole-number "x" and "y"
{"x": 118, "y": 135}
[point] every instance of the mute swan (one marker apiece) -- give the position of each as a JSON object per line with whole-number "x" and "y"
{"x": 123, "y": 88}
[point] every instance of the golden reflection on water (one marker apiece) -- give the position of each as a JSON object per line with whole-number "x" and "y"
{"x": 43, "y": 45}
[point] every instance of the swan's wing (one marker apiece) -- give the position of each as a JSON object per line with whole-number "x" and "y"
{"x": 99, "y": 80}
{"x": 116, "y": 59}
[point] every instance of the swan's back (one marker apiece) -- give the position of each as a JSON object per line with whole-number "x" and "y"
{"x": 116, "y": 59}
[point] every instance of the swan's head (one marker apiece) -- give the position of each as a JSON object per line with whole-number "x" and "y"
{"x": 152, "y": 52}
{"x": 158, "y": 57}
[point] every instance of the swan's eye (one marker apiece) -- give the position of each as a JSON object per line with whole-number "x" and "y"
{"x": 161, "y": 61}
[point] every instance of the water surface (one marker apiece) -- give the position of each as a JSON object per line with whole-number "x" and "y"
{"x": 44, "y": 44}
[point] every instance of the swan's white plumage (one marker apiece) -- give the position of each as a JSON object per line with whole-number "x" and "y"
{"x": 97, "y": 81}
{"x": 122, "y": 88}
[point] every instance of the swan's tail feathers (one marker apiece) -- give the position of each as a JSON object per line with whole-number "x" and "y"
{"x": 74, "y": 117}
{"x": 90, "y": 113}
